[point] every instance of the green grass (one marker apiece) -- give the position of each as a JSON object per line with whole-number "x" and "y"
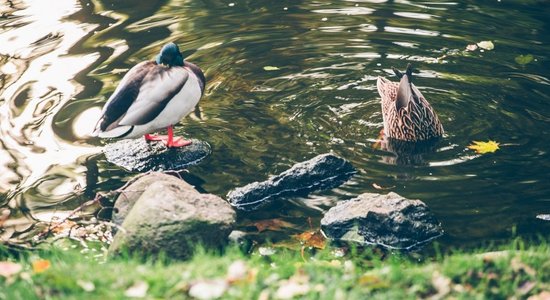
{"x": 519, "y": 271}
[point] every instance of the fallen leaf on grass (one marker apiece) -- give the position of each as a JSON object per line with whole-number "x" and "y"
{"x": 545, "y": 295}
{"x": 138, "y": 290}
{"x": 526, "y": 287}
{"x": 289, "y": 290}
{"x": 372, "y": 281}
{"x": 524, "y": 59}
{"x": 297, "y": 285}
{"x": 41, "y": 265}
{"x": 272, "y": 224}
{"x": 312, "y": 239}
{"x": 484, "y": 147}
{"x": 442, "y": 285}
{"x": 211, "y": 289}
{"x": 8, "y": 268}
{"x": 518, "y": 266}
{"x": 237, "y": 271}
{"x": 87, "y": 286}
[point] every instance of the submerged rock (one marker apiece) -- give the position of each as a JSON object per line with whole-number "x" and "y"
{"x": 387, "y": 220}
{"x": 138, "y": 155}
{"x": 170, "y": 216}
{"x": 324, "y": 171}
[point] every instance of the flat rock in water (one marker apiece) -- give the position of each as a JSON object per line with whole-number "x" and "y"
{"x": 388, "y": 220}
{"x": 138, "y": 155}
{"x": 164, "y": 214}
{"x": 324, "y": 171}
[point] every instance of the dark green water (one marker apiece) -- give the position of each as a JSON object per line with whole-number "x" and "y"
{"x": 60, "y": 60}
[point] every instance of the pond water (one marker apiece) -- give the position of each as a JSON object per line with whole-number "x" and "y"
{"x": 60, "y": 60}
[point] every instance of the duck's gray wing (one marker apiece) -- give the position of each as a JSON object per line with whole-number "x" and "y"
{"x": 141, "y": 95}
{"x": 159, "y": 85}
{"x": 122, "y": 98}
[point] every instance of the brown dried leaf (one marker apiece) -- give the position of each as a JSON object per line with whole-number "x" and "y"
{"x": 272, "y": 224}
{"x": 312, "y": 239}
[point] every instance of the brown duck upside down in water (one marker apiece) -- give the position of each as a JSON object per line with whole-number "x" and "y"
{"x": 407, "y": 114}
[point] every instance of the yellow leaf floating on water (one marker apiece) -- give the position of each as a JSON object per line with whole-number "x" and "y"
{"x": 41, "y": 265}
{"x": 484, "y": 147}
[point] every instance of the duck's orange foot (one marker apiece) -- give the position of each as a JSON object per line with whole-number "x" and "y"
{"x": 177, "y": 142}
{"x": 150, "y": 137}
{"x": 168, "y": 141}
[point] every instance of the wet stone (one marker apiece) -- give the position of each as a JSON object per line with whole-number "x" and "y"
{"x": 388, "y": 220}
{"x": 324, "y": 171}
{"x": 138, "y": 155}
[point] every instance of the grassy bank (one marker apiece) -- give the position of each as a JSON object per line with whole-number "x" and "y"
{"x": 518, "y": 270}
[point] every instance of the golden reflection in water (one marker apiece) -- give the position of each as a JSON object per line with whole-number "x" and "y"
{"x": 39, "y": 80}
{"x": 85, "y": 122}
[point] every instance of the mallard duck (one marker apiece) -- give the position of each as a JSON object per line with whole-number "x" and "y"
{"x": 407, "y": 114}
{"x": 153, "y": 95}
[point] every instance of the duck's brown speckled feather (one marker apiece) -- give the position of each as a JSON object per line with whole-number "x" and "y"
{"x": 414, "y": 121}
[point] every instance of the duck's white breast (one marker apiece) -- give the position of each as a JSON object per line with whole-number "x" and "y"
{"x": 180, "y": 105}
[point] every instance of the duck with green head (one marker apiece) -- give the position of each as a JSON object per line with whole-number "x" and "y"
{"x": 406, "y": 113}
{"x": 153, "y": 95}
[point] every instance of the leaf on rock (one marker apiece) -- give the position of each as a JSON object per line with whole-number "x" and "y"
{"x": 8, "y": 268}
{"x": 271, "y": 68}
{"x": 312, "y": 239}
{"x": 138, "y": 290}
{"x": 272, "y": 224}
{"x": 41, "y": 265}
{"x": 484, "y": 147}
{"x": 486, "y": 45}
{"x": 524, "y": 59}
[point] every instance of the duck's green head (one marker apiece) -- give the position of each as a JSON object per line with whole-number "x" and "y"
{"x": 170, "y": 55}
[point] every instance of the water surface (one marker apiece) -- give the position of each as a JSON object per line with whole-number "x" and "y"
{"x": 60, "y": 60}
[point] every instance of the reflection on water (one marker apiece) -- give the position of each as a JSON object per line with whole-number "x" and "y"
{"x": 60, "y": 60}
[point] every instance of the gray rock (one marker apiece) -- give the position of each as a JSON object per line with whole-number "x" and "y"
{"x": 324, "y": 171}
{"x": 138, "y": 155}
{"x": 387, "y": 220}
{"x": 170, "y": 216}
{"x": 131, "y": 194}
